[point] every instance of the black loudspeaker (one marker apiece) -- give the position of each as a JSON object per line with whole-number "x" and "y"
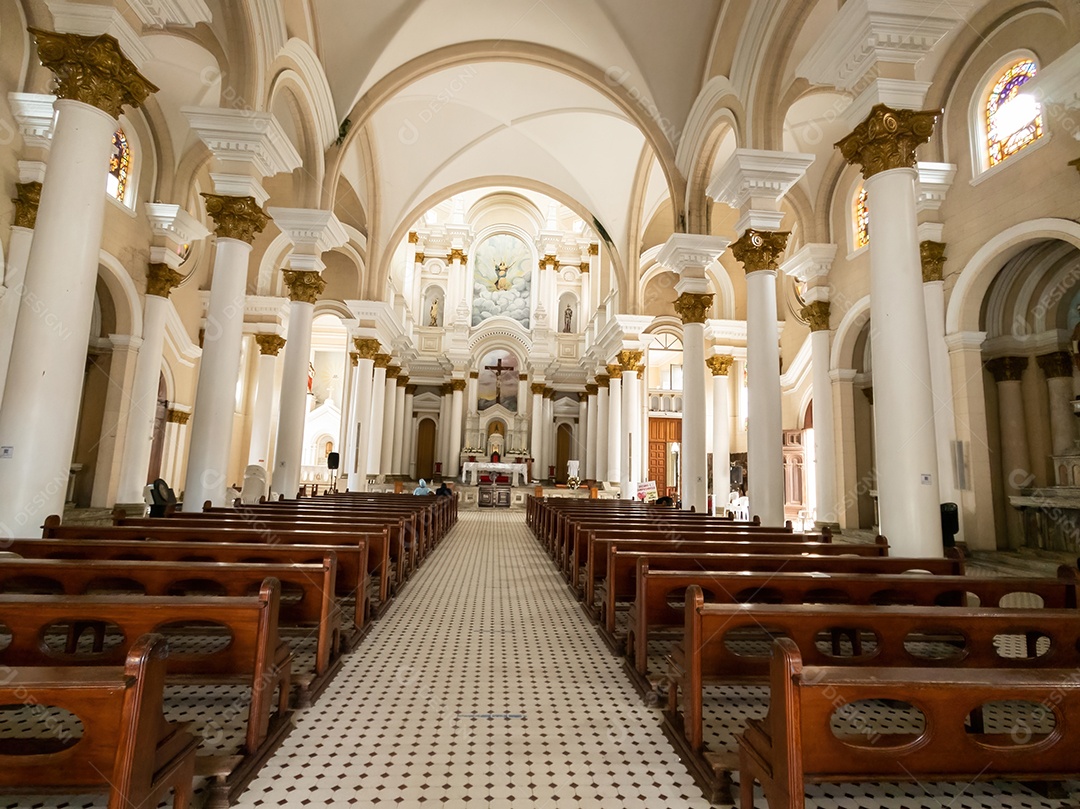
{"x": 332, "y": 460}
{"x": 736, "y": 478}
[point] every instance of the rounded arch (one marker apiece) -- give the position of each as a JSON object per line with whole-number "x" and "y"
{"x": 846, "y": 337}
{"x": 330, "y": 306}
{"x": 715, "y": 272}
{"x": 125, "y": 295}
{"x": 977, "y": 118}
{"x": 501, "y": 334}
{"x": 965, "y": 302}
{"x": 267, "y": 281}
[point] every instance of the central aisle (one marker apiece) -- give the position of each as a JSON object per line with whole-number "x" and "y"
{"x": 483, "y": 684}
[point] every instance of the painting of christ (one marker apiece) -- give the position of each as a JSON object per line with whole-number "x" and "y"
{"x": 502, "y": 266}
{"x": 498, "y": 381}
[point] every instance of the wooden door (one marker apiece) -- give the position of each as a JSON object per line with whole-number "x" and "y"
{"x": 425, "y": 449}
{"x": 658, "y": 465}
{"x": 562, "y": 452}
{"x": 662, "y": 434}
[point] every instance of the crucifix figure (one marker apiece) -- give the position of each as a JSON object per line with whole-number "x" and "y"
{"x": 499, "y": 370}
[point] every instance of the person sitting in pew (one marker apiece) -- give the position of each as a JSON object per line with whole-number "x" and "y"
{"x": 443, "y": 490}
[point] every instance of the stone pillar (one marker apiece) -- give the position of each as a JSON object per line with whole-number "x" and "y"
{"x": 1015, "y": 458}
{"x": 48, "y": 351}
{"x": 367, "y": 349}
{"x": 122, "y": 364}
{"x": 457, "y": 387}
{"x": 536, "y": 440}
{"x": 408, "y": 459}
{"x": 908, "y": 486}
{"x": 27, "y": 197}
{"x": 444, "y": 427}
{"x": 602, "y": 416}
{"x": 270, "y": 346}
{"x": 347, "y": 430}
{"x": 581, "y": 449}
{"x": 720, "y": 366}
{"x": 378, "y": 401}
{"x": 386, "y": 454}
{"x": 614, "y": 425}
{"x": 172, "y": 467}
{"x": 471, "y": 403}
{"x": 590, "y": 433}
{"x": 1057, "y": 367}
{"x": 827, "y": 506}
{"x": 692, "y": 308}
{"x": 630, "y": 361}
{"x": 304, "y": 289}
{"x": 550, "y": 431}
{"x": 399, "y": 425}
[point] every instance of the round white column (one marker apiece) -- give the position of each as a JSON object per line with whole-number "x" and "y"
{"x": 269, "y": 346}
{"x": 550, "y": 432}
{"x": 580, "y": 449}
{"x": 456, "y": 403}
{"x": 765, "y": 439}
{"x": 399, "y": 425}
{"x": 408, "y": 451}
{"x": 694, "y": 455}
{"x": 536, "y": 440}
{"x": 827, "y": 506}
{"x": 378, "y": 400}
{"x": 1057, "y": 368}
{"x": 721, "y": 446}
{"x": 347, "y": 431}
{"x": 304, "y": 287}
{"x": 590, "y": 434}
{"x": 631, "y": 424}
{"x": 15, "y": 272}
{"x": 614, "y": 425}
{"x": 443, "y": 441}
{"x": 932, "y": 257}
{"x": 144, "y": 389}
{"x": 362, "y": 413}
{"x": 602, "y": 416}
{"x": 1015, "y": 457}
{"x": 386, "y": 452}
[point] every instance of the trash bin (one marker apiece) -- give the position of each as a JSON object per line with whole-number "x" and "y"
{"x": 950, "y": 524}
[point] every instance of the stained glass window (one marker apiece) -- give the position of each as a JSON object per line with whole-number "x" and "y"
{"x": 119, "y": 166}
{"x": 861, "y": 216}
{"x": 1013, "y": 119}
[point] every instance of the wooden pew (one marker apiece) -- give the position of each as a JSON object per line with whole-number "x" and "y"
{"x": 127, "y": 748}
{"x": 315, "y": 611}
{"x": 351, "y": 561}
{"x": 969, "y": 634}
{"x": 256, "y": 656}
{"x": 794, "y": 746}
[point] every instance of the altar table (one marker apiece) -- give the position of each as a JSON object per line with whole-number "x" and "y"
{"x": 471, "y": 471}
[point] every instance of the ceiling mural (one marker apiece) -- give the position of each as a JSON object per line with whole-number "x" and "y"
{"x": 501, "y": 279}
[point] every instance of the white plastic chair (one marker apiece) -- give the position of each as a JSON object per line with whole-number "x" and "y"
{"x": 742, "y": 508}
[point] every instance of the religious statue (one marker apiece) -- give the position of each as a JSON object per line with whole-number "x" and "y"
{"x": 433, "y": 313}
{"x": 568, "y": 315}
{"x": 501, "y": 283}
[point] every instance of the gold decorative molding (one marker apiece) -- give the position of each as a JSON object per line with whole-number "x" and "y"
{"x": 549, "y": 393}
{"x": 366, "y": 347}
{"x": 305, "y": 286}
{"x": 235, "y": 217}
{"x": 402, "y": 381}
{"x": 887, "y": 139}
{"x": 817, "y": 315}
{"x": 392, "y": 372}
{"x": 933, "y": 260}
{"x": 693, "y": 308}
{"x": 602, "y": 381}
{"x": 177, "y": 416}
{"x": 27, "y": 198}
{"x": 270, "y": 344}
{"x": 354, "y": 359}
{"x": 721, "y": 364}
{"x": 523, "y": 377}
{"x": 594, "y": 249}
{"x": 583, "y": 267}
{"x": 414, "y": 237}
{"x": 160, "y": 279}
{"x": 538, "y": 388}
{"x": 382, "y": 360}
{"x": 446, "y": 389}
{"x": 410, "y": 390}
{"x": 92, "y": 70}
{"x": 457, "y": 384}
{"x": 458, "y": 254}
{"x": 474, "y": 374}
{"x": 592, "y": 389}
{"x": 640, "y": 370}
{"x": 420, "y": 257}
{"x": 629, "y": 359}
{"x": 582, "y": 397}
{"x": 760, "y": 249}
{"x": 1007, "y": 369}
{"x": 1056, "y": 364}
{"x": 549, "y": 260}
{"x": 614, "y": 371}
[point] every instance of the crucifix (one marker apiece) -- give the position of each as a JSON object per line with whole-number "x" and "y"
{"x": 499, "y": 370}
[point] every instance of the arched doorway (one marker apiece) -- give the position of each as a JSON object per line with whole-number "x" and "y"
{"x": 425, "y": 449}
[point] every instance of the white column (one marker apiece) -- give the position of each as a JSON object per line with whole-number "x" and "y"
{"x": 172, "y": 467}
{"x": 614, "y": 431}
{"x": 536, "y": 439}
{"x": 22, "y": 234}
{"x": 378, "y": 401}
{"x": 399, "y": 425}
{"x": 408, "y": 459}
{"x": 144, "y": 391}
{"x": 550, "y": 432}
{"x": 41, "y": 399}
{"x": 444, "y": 428}
{"x": 694, "y": 451}
{"x": 1057, "y": 368}
{"x": 827, "y": 507}
{"x": 122, "y": 362}
{"x": 269, "y": 347}
{"x": 631, "y": 423}
{"x": 580, "y": 450}
{"x": 367, "y": 348}
{"x": 456, "y": 402}
{"x": 386, "y": 453}
{"x": 348, "y": 419}
{"x": 602, "y": 417}
{"x": 1015, "y": 457}
{"x": 590, "y": 433}
{"x": 721, "y": 445}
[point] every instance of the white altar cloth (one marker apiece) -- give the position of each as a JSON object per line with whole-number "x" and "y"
{"x": 471, "y": 471}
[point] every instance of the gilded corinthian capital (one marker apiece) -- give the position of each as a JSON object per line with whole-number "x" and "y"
{"x": 92, "y": 70}
{"x": 933, "y": 260}
{"x": 160, "y": 279}
{"x": 235, "y": 217}
{"x": 693, "y": 308}
{"x": 720, "y": 364}
{"x": 817, "y": 315}
{"x": 270, "y": 344}
{"x": 760, "y": 249}
{"x": 887, "y": 139}
{"x": 305, "y": 286}
{"x": 27, "y": 197}
{"x": 366, "y": 347}
{"x": 629, "y": 360}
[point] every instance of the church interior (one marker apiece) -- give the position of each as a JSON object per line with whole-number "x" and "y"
{"x": 806, "y": 270}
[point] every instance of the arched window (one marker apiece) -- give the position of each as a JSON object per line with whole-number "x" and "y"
{"x": 1013, "y": 120}
{"x": 860, "y": 219}
{"x": 117, "y": 183}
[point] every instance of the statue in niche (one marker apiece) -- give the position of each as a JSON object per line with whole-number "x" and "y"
{"x": 568, "y": 316}
{"x": 433, "y": 313}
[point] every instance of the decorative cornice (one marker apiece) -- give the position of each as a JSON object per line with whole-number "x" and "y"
{"x": 693, "y": 308}
{"x": 457, "y": 254}
{"x": 591, "y": 390}
{"x": 887, "y": 139}
{"x": 27, "y": 198}
{"x": 177, "y": 416}
{"x": 92, "y": 70}
{"x": 34, "y": 113}
{"x": 235, "y": 217}
{"x": 760, "y": 249}
{"x": 817, "y": 315}
{"x": 181, "y": 13}
{"x": 160, "y": 279}
{"x": 382, "y": 360}
{"x": 457, "y": 385}
{"x": 933, "y": 260}
{"x": 688, "y": 251}
{"x": 305, "y": 286}
{"x": 1007, "y": 369}
{"x": 537, "y": 388}
{"x": 614, "y": 371}
{"x": 755, "y": 177}
{"x": 602, "y": 381}
{"x": 270, "y": 344}
{"x": 720, "y": 364}
{"x": 366, "y": 347}
{"x": 1056, "y": 364}
{"x": 392, "y": 372}
{"x": 629, "y": 359}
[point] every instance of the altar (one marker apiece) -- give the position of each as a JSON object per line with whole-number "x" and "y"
{"x": 471, "y": 471}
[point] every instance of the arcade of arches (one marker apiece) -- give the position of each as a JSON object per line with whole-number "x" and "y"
{"x": 827, "y": 259}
